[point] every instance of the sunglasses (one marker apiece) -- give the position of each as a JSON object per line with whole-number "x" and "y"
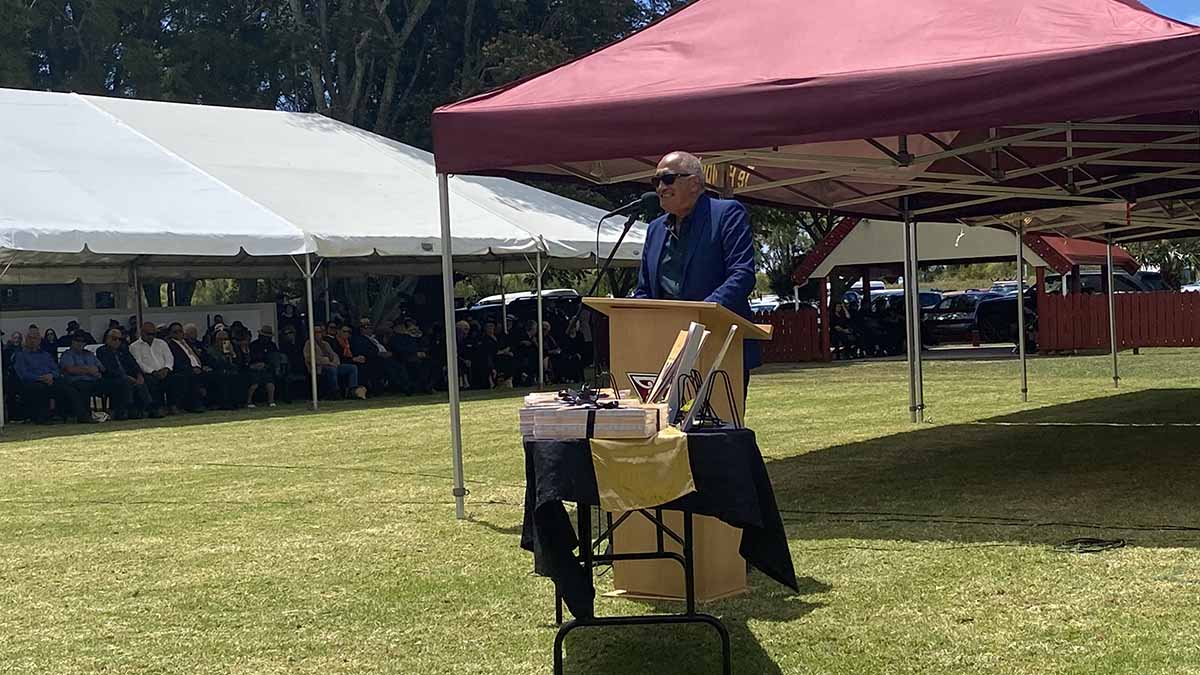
{"x": 666, "y": 178}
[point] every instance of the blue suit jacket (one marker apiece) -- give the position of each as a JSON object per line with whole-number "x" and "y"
{"x": 718, "y": 265}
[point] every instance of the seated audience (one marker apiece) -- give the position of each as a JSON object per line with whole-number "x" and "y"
{"x": 41, "y": 381}
{"x": 156, "y": 362}
{"x": 83, "y": 370}
{"x": 525, "y": 355}
{"x": 569, "y": 362}
{"x": 382, "y": 370}
{"x": 264, "y": 350}
{"x": 69, "y": 336}
{"x": 117, "y": 364}
{"x": 409, "y": 346}
{"x": 252, "y": 363}
{"x": 49, "y": 342}
{"x": 335, "y": 377}
{"x": 225, "y": 382}
{"x": 185, "y": 386}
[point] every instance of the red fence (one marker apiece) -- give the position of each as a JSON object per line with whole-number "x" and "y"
{"x": 797, "y": 337}
{"x": 1080, "y": 321}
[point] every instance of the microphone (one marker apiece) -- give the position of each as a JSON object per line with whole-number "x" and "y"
{"x": 647, "y": 205}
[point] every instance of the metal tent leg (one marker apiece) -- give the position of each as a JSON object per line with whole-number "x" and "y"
{"x": 1021, "y": 311}
{"x": 1112, "y": 313}
{"x": 312, "y": 339}
{"x": 912, "y": 315}
{"x": 451, "y": 347}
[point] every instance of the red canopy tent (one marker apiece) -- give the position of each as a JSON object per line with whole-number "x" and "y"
{"x": 968, "y": 107}
{"x": 975, "y": 111}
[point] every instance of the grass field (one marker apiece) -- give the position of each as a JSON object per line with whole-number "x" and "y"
{"x": 290, "y": 542}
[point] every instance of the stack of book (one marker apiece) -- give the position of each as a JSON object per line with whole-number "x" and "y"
{"x": 548, "y": 416}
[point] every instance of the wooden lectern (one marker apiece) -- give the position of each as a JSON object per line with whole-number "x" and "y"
{"x": 641, "y": 333}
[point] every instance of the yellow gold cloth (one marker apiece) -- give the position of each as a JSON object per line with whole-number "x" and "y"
{"x": 642, "y": 473}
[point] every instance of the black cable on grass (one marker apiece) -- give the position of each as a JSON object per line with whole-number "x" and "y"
{"x": 1088, "y": 545}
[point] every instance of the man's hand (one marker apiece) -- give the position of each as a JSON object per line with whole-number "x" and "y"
{"x": 162, "y": 373}
{"x": 46, "y": 379}
{"x": 359, "y": 359}
{"x": 93, "y": 370}
{"x": 386, "y": 355}
{"x": 197, "y": 371}
{"x": 257, "y": 366}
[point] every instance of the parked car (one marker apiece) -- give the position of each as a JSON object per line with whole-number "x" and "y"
{"x": 894, "y": 299}
{"x": 1093, "y": 282}
{"x": 1190, "y": 288}
{"x": 1153, "y": 280}
{"x": 953, "y": 319}
{"x": 996, "y": 319}
{"x": 876, "y": 285}
{"x": 1004, "y": 287}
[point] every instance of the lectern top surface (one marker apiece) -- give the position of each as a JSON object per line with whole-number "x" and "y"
{"x": 749, "y": 329}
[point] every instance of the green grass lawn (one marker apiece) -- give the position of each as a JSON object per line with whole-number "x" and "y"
{"x": 290, "y": 542}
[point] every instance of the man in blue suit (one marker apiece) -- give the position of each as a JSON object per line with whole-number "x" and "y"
{"x": 701, "y": 248}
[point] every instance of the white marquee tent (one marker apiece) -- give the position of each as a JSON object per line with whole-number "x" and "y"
{"x": 111, "y": 190}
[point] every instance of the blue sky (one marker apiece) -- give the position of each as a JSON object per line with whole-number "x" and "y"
{"x": 1187, "y": 10}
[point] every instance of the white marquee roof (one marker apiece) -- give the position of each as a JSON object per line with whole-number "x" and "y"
{"x": 881, "y": 242}
{"x": 95, "y": 182}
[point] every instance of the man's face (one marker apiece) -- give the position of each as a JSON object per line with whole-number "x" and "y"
{"x": 177, "y": 332}
{"x": 33, "y": 341}
{"x": 113, "y": 339}
{"x": 676, "y": 190}
{"x": 289, "y": 335}
{"x": 344, "y": 333}
{"x": 192, "y": 333}
{"x": 149, "y": 330}
{"x": 77, "y": 344}
{"x": 318, "y": 332}
{"x": 366, "y": 329}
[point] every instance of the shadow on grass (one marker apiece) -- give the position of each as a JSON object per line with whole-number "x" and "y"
{"x": 1123, "y": 466}
{"x": 26, "y": 431}
{"x": 688, "y": 649}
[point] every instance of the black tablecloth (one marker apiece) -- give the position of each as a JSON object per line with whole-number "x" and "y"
{"x": 731, "y": 484}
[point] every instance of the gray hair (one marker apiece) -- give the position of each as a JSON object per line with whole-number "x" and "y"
{"x": 687, "y": 163}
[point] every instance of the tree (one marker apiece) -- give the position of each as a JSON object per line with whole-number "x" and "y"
{"x": 781, "y": 237}
{"x": 1175, "y": 258}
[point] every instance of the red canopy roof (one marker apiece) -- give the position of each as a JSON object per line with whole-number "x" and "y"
{"x": 1063, "y": 252}
{"x": 733, "y": 74}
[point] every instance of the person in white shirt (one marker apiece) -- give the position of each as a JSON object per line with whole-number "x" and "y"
{"x": 154, "y": 357}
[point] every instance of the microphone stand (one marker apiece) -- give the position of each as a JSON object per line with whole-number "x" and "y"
{"x": 574, "y": 322}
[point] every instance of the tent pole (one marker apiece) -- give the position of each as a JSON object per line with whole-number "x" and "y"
{"x": 312, "y": 338}
{"x": 503, "y": 301}
{"x": 3, "y": 419}
{"x": 451, "y": 346}
{"x": 916, "y": 310}
{"x": 1021, "y": 311}
{"x": 137, "y": 294}
{"x": 908, "y": 321}
{"x": 328, "y": 301}
{"x": 541, "y": 344}
{"x": 1112, "y": 312}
